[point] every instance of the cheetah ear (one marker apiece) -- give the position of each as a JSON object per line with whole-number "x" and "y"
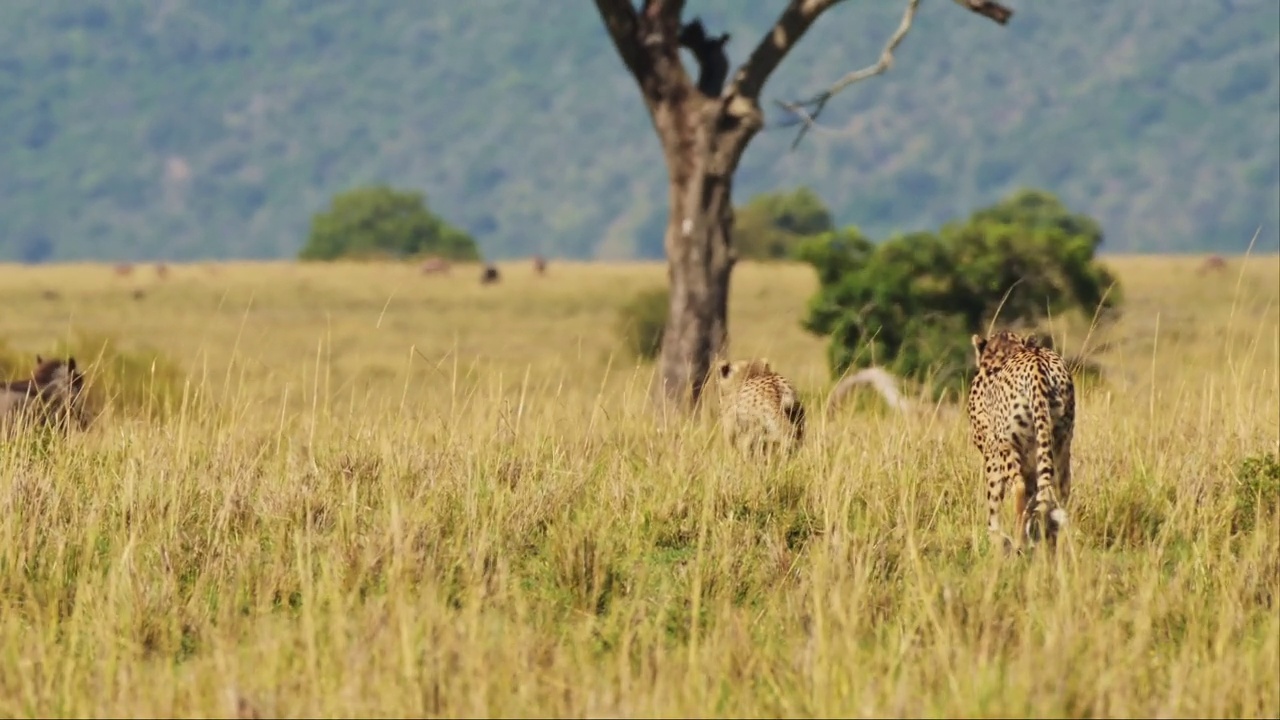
{"x": 979, "y": 344}
{"x": 724, "y": 368}
{"x": 764, "y": 364}
{"x": 39, "y": 358}
{"x": 71, "y": 363}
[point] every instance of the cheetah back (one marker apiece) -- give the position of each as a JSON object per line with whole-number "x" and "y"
{"x": 1022, "y": 414}
{"x": 760, "y": 407}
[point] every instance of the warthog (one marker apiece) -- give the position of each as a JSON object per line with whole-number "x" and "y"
{"x": 50, "y": 397}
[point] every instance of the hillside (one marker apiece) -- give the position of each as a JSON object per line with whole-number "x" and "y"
{"x": 179, "y": 129}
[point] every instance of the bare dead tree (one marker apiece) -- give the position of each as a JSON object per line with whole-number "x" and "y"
{"x": 703, "y": 129}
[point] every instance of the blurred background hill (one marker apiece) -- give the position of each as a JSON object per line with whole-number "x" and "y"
{"x": 175, "y": 129}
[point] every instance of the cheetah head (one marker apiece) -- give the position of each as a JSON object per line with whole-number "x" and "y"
{"x": 729, "y": 374}
{"x": 993, "y": 351}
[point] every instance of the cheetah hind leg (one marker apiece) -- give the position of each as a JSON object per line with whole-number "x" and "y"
{"x": 1044, "y": 522}
{"x": 1042, "y": 517}
{"x": 750, "y": 445}
{"x": 998, "y": 469}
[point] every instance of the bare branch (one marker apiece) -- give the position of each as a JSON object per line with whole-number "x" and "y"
{"x": 646, "y": 40}
{"x": 988, "y": 9}
{"x": 808, "y": 110}
{"x": 819, "y": 101}
{"x": 623, "y": 24}
{"x": 790, "y": 26}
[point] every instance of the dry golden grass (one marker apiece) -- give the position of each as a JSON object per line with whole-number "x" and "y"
{"x": 390, "y": 494}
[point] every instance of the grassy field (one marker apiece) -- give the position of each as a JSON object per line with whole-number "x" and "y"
{"x": 379, "y": 493}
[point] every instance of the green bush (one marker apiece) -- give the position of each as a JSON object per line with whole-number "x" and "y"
{"x": 642, "y": 321}
{"x": 1257, "y": 490}
{"x": 772, "y": 225}
{"x": 379, "y": 221}
{"x": 910, "y": 303}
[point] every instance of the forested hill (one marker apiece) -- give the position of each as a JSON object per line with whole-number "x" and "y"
{"x": 185, "y": 129}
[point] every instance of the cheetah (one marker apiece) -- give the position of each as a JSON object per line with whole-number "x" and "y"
{"x": 1022, "y": 415}
{"x": 759, "y": 408}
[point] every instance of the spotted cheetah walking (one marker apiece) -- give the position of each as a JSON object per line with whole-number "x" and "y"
{"x": 1022, "y": 415}
{"x": 759, "y": 408}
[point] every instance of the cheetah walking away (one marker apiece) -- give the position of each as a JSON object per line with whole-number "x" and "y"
{"x": 1022, "y": 415}
{"x": 49, "y": 397}
{"x": 759, "y": 408}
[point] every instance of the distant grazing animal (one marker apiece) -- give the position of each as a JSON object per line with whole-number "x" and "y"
{"x": 759, "y": 408}
{"x": 162, "y": 270}
{"x": 1213, "y": 263}
{"x": 50, "y": 397}
{"x": 434, "y": 265}
{"x": 539, "y": 264}
{"x": 490, "y": 275}
{"x": 1021, "y": 410}
{"x": 124, "y": 269}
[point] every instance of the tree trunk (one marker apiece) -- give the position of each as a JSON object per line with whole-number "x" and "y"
{"x": 704, "y": 128}
{"x": 702, "y": 145}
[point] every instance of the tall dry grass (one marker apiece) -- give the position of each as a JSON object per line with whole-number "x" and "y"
{"x": 378, "y": 493}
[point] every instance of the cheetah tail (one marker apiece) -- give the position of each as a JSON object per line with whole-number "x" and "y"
{"x": 795, "y": 413}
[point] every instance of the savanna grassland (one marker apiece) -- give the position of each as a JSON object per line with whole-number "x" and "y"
{"x": 362, "y": 491}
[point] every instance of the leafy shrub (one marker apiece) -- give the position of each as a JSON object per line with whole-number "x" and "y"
{"x": 380, "y": 221}
{"x": 772, "y": 225}
{"x": 911, "y": 302}
{"x": 642, "y": 321}
{"x": 1257, "y": 490}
